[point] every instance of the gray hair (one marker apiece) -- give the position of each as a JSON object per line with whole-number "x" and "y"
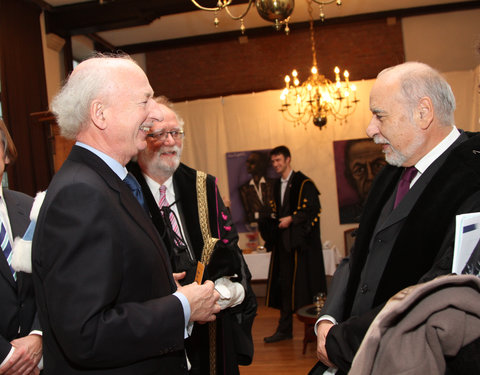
{"x": 419, "y": 80}
{"x": 71, "y": 106}
{"x": 167, "y": 103}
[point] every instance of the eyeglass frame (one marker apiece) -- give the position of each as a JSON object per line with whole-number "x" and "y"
{"x": 177, "y": 135}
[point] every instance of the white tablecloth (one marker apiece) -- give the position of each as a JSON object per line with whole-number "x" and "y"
{"x": 331, "y": 258}
{"x": 259, "y": 263}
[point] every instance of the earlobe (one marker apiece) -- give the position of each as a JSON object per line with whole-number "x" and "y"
{"x": 97, "y": 112}
{"x": 425, "y": 112}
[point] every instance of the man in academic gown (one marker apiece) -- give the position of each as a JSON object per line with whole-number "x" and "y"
{"x": 406, "y": 234}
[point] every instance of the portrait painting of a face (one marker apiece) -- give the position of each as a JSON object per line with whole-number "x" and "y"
{"x": 357, "y": 162}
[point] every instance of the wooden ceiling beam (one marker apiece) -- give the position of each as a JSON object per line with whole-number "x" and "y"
{"x": 91, "y": 17}
{"x": 265, "y": 30}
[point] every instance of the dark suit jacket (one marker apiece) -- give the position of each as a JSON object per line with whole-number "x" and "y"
{"x": 103, "y": 282}
{"x": 411, "y": 244}
{"x": 17, "y": 307}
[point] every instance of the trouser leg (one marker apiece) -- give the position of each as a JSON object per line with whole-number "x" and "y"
{"x": 285, "y": 323}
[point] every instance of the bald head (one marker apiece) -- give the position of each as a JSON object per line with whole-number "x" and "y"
{"x": 412, "y": 107}
{"x": 416, "y": 80}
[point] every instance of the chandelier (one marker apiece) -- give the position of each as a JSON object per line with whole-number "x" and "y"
{"x": 317, "y": 97}
{"x": 276, "y": 11}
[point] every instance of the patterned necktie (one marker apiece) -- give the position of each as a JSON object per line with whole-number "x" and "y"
{"x": 163, "y": 202}
{"x": 7, "y": 248}
{"x": 134, "y": 186}
{"x": 404, "y": 185}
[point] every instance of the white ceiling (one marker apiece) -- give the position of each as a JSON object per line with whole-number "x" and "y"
{"x": 201, "y": 22}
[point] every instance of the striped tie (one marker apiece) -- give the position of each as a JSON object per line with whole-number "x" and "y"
{"x": 163, "y": 202}
{"x": 7, "y": 249}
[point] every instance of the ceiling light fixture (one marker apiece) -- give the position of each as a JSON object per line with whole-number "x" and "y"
{"x": 276, "y": 11}
{"x": 317, "y": 97}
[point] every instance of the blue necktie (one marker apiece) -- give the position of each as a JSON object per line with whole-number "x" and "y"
{"x": 134, "y": 186}
{"x": 7, "y": 248}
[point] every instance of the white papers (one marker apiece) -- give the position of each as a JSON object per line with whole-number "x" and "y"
{"x": 467, "y": 235}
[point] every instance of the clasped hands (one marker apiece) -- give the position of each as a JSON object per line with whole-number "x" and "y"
{"x": 202, "y": 299}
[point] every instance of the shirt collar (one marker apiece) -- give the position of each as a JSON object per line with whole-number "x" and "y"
{"x": 262, "y": 181}
{"x": 438, "y": 150}
{"x": 114, "y": 165}
{"x": 154, "y": 187}
{"x": 288, "y": 178}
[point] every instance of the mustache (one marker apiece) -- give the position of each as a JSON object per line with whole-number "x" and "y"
{"x": 379, "y": 140}
{"x": 165, "y": 149}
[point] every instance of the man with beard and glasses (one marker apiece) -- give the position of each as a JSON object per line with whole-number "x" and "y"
{"x": 170, "y": 190}
{"x": 406, "y": 233}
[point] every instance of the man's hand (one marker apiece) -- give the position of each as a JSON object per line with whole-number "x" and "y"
{"x": 25, "y": 358}
{"x": 203, "y": 301}
{"x": 322, "y": 331}
{"x": 285, "y": 222}
{"x": 178, "y": 276}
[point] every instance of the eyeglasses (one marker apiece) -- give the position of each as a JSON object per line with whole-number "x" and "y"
{"x": 163, "y": 135}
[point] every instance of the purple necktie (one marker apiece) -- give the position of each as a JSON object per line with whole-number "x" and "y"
{"x": 404, "y": 185}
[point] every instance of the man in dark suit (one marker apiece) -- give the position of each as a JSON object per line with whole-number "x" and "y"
{"x": 159, "y": 168}
{"x": 107, "y": 300}
{"x": 20, "y": 333}
{"x": 407, "y": 230}
{"x": 296, "y": 268}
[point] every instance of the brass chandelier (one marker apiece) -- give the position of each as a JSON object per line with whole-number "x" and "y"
{"x": 317, "y": 97}
{"x": 276, "y": 11}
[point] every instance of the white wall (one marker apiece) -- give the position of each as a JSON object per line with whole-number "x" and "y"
{"x": 445, "y": 41}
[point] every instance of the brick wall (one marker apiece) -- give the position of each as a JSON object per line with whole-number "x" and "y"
{"x": 224, "y": 67}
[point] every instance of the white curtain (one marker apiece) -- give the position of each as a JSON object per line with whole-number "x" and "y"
{"x": 252, "y": 121}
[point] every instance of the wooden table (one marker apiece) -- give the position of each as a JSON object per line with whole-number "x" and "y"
{"x": 308, "y": 315}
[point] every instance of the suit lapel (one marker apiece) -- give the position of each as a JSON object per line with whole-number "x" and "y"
{"x": 408, "y": 202}
{"x": 16, "y": 215}
{"x": 184, "y": 183}
{"x": 285, "y": 207}
{"x": 6, "y": 272}
{"x": 127, "y": 199}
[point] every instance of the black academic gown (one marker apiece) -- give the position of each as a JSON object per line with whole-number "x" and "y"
{"x": 407, "y": 245}
{"x": 233, "y": 341}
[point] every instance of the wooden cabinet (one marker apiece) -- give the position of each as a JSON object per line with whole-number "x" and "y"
{"x": 58, "y": 146}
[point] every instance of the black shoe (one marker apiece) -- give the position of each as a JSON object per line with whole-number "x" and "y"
{"x": 277, "y": 336}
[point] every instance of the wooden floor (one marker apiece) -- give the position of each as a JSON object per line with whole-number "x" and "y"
{"x": 281, "y": 358}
